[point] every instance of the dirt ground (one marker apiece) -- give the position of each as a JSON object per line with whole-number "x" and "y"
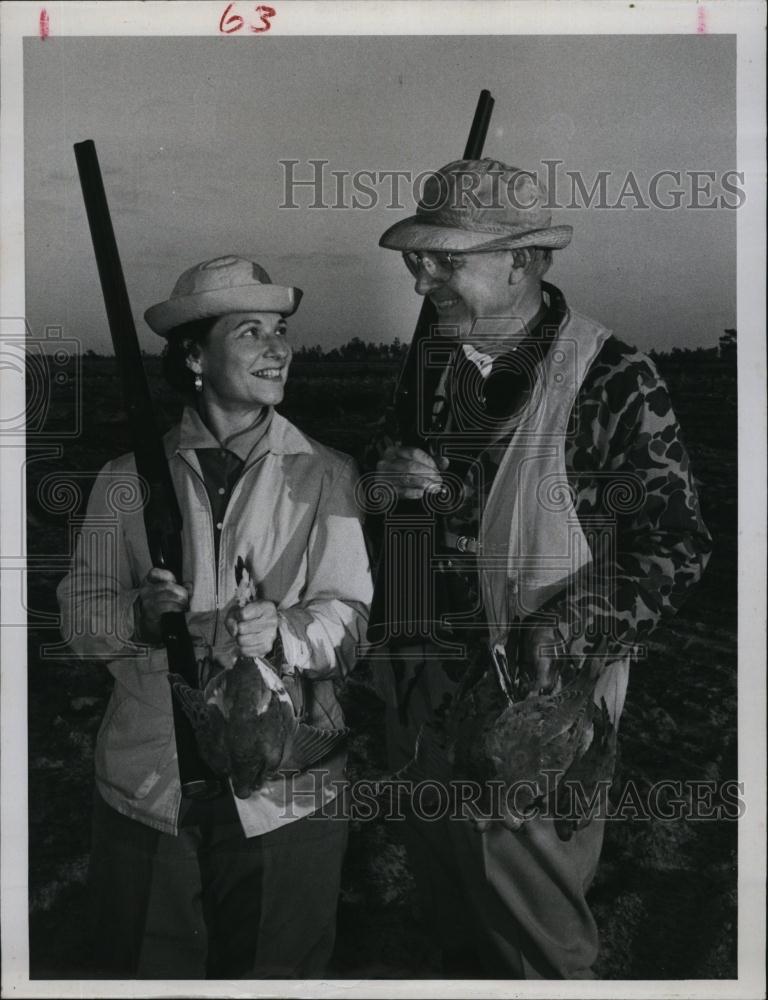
{"x": 665, "y": 893}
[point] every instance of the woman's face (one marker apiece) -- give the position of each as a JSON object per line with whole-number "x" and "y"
{"x": 244, "y": 360}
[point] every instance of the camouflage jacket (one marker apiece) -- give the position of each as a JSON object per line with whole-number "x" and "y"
{"x": 625, "y": 424}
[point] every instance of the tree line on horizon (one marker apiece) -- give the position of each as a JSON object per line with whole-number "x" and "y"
{"x": 358, "y": 350}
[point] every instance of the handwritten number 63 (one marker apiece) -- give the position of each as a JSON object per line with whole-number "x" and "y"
{"x": 231, "y": 22}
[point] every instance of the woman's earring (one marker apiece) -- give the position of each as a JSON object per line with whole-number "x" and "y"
{"x": 198, "y": 382}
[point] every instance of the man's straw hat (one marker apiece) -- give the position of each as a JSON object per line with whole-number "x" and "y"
{"x": 478, "y": 205}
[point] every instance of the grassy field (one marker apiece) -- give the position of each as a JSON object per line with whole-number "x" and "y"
{"x": 665, "y": 895}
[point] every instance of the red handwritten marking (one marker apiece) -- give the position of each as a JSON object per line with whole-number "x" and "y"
{"x": 264, "y": 13}
{"x": 701, "y": 24}
{"x": 44, "y": 24}
{"x": 230, "y": 21}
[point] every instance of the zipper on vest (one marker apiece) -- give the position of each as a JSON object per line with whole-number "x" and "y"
{"x": 213, "y": 546}
{"x": 238, "y": 488}
{"x": 233, "y": 496}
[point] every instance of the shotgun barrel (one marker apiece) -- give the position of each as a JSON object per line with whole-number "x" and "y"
{"x": 162, "y": 515}
{"x": 417, "y": 383}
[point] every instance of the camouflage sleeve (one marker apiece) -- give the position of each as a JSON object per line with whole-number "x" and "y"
{"x": 637, "y": 504}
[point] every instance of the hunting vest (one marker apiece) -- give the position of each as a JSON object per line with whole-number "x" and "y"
{"x": 531, "y": 543}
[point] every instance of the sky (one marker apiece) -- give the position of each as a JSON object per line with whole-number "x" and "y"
{"x": 190, "y": 133}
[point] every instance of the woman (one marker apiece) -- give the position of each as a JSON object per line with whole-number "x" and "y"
{"x": 232, "y": 887}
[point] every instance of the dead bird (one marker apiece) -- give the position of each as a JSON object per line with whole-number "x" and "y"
{"x": 543, "y": 732}
{"x": 590, "y": 773}
{"x": 247, "y": 728}
{"x": 523, "y": 748}
{"x": 246, "y": 723}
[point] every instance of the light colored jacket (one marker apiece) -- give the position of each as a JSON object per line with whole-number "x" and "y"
{"x": 292, "y": 518}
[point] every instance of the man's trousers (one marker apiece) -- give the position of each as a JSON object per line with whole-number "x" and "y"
{"x": 515, "y": 900}
{"x": 211, "y": 903}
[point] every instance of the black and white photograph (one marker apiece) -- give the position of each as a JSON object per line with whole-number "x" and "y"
{"x": 383, "y": 471}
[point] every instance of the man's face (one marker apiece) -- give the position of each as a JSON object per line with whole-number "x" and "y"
{"x": 245, "y": 360}
{"x": 466, "y": 287}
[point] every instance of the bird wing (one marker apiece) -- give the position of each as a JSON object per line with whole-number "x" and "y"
{"x": 594, "y": 765}
{"x": 207, "y": 723}
{"x": 215, "y": 690}
{"x": 309, "y": 745}
{"x": 191, "y": 700}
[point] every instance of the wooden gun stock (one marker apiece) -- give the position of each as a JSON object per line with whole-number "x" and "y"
{"x": 162, "y": 516}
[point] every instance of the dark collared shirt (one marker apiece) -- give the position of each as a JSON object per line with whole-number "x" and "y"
{"x": 222, "y": 462}
{"x": 221, "y": 469}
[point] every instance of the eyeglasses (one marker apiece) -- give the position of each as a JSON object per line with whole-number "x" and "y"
{"x": 436, "y": 263}
{"x": 440, "y": 263}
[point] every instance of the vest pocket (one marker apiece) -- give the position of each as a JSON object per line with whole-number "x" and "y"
{"x": 134, "y": 746}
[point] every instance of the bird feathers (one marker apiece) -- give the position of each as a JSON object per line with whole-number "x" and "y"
{"x": 207, "y": 723}
{"x": 310, "y": 745}
{"x": 590, "y": 774}
{"x": 524, "y": 748}
{"x": 247, "y": 728}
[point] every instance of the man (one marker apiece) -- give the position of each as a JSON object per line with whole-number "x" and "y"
{"x": 575, "y": 531}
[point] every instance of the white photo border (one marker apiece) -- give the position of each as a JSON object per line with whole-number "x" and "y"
{"x": 746, "y": 20}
